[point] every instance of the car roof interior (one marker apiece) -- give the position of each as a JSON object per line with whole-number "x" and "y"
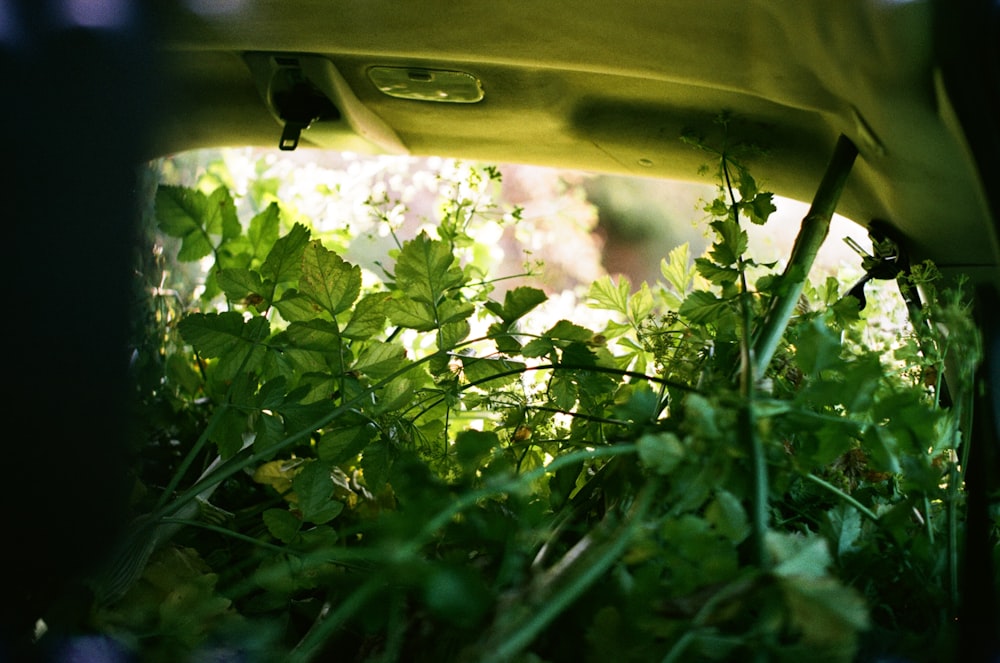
{"x": 611, "y": 87}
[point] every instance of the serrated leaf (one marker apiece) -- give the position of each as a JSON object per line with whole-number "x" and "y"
{"x": 380, "y": 360}
{"x": 263, "y": 230}
{"x": 313, "y": 486}
{"x": 703, "y": 307}
{"x": 284, "y": 261}
{"x": 562, "y": 392}
{"x": 282, "y": 524}
{"x": 315, "y": 335}
{"x": 760, "y": 208}
{"x": 328, "y": 279}
{"x": 194, "y": 218}
{"x": 368, "y": 318}
{"x": 346, "y": 441}
{"x": 564, "y": 330}
{"x": 732, "y": 242}
{"x": 376, "y": 462}
{"x": 676, "y": 269}
{"x": 452, "y": 334}
{"x": 716, "y": 274}
{"x": 497, "y": 372}
{"x": 607, "y": 294}
{"x": 235, "y": 341}
{"x": 426, "y": 269}
{"x": 238, "y": 283}
{"x": 296, "y": 307}
{"x": 517, "y": 303}
{"x": 640, "y": 304}
{"x": 268, "y": 430}
{"x": 411, "y": 314}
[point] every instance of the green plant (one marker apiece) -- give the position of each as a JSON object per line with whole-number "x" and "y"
{"x": 403, "y": 467}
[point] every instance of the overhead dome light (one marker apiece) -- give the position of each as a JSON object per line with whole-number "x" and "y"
{"x": 456, "y": 87}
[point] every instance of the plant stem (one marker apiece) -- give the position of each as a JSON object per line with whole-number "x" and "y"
{"x": 815, "y": 227}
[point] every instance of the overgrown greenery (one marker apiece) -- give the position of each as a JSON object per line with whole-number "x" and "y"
{"x": 339, "y": 465}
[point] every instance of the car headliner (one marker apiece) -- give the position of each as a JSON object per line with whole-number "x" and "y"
{"x": 609, "y": 87}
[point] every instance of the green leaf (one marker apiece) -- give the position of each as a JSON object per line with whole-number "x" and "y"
{"x": 660, "y": 453}
{"x": 702, "y": 307}
{"x": 193, "y": 217}
{"x": 827, "y": 616}
{"x": 605, "y": 293}
{"x": 330, "y": 281}
{"x": 235, "y": 341}
{"x": 731, "y": 244}
{"x": 296, "y": 307}
{"x": 760, "y": 208}
{"x": 345, "y": 442}
{"x": 426, "y": 269}
{"x": 676, "y": 268}
{"x": 715, "y": 273}
{"x": 411, "y": 314}
{"x": 313, "y": 487}
{"x": 799, "y": 555}
{"x": 728, "y": 517}
{"x": 380, "y": 360}
{"x": 817, "y": 348}
{"x": 238, "y": 283}
{"x": 368, "y": 318}
{"x": 517, "y": 303}
{"x": 282, "y": 524}
{"x": 564, "y": 330}
{"x": 284, "y": 262}
{"x": 376, "y": 462}
{"x": 472, "y": 447}
{"x": 480, "y": 370}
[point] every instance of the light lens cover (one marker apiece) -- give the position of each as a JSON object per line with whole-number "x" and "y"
{"x": 456, "y": 87}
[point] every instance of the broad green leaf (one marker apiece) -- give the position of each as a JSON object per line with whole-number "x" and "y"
{"x": 562, "y": 391}
{"x": 345, "y": 442}
{"x": 702, "y": 307}
{"x": 330, "y": 281}
{"x": 284, "y": 261}
{"x": 368, "y": 317}
{"x": 380, "y": 360}
{"x": 452, "y": 334}
{"x": 609, "y": 295}
{"x": 426, "y": 269}
{"x": 315, "y": 335}
{"x": 799, "y": 555}
{"x": 376, "y": 462}
{"x": 676, "y": 268}
{"x": 296, "y": 307}
{"x": 640, "y": 304}
{"x": 565, "y": 330}
{"x": 263, "y": 231}
{"x": 472, "y": 447}
{"x": 496, "y": 372}
{"x": 715, "y": 273}
{"x": 732, "y": 242}
{"x": 517, "y": 303}
{"x": 228, "y": 432}
{"x": 660, "y": 453}
{"x": 313, "y": 487}
{"x": 760, "y": 208}
{"x": 239, "y": 283}
{"x": 236, "y": 342}
{"x": 827, "y": 616}
{"x": 268, "y": 431}
{"x": 817, "y": 348}
{"x": 411, "y": 314}
{"x": 728, "y": 517}
{"x": 195, "y": 218}
{"x": 282, "y": 524}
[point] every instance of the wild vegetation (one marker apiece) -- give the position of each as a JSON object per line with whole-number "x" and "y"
{"x": 411, "y": 463}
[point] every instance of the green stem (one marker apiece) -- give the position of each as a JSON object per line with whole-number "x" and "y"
{"x": 815, "y": 227}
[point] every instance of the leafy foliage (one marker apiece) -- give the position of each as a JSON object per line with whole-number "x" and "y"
{"x": 394, "y": 468}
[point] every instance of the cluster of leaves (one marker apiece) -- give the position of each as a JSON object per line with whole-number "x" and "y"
{"x": 394, "y": 468}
